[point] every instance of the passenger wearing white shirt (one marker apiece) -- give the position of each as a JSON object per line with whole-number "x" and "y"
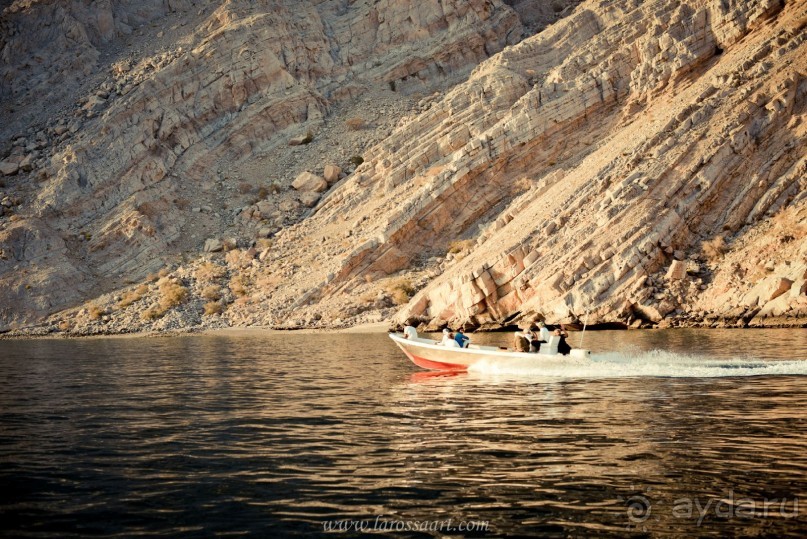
{"x": 543, "y": 332}
{"x": 448, "y": 340}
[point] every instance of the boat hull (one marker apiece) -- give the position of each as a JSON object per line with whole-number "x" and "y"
{"x": 430, "y": 355}
{"x": 431, "y": 364}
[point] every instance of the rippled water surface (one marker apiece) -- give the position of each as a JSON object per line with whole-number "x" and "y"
{"x": 684, "y": 433}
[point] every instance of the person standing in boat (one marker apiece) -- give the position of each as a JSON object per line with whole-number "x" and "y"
{"x": 543, "y": 333}
{"x": 461, "y": 338}
{"x": 563, "y": 346}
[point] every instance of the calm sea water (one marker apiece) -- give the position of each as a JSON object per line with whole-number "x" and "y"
{"x": 665, "y": 433}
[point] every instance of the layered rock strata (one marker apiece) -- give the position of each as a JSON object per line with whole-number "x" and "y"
{"x": 690, "y": 132}
{"x": 637, "y": 163}
{"x": 581, "y": 163}
{"x": 110, "y": 194}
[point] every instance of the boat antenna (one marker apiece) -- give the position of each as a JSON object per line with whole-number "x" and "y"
{"x": 583, "y": 334}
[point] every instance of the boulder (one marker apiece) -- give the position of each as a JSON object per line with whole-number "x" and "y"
{"x": 309, "y": 182}
{"x": 299, "y": 140}
{"x": 798, "y": 288}
{"x": 767, "y": 290}
{"x": 7, "y": 168}
{"x": 332, "y": 173}
{"x": 27, "y": 164}
{"x": 289, "y": 205}
{"x": 309, "y": 200}
{"x": 649, "y": 313}
{"x": 776, "y": 307}
{"x": 779, "y": 287}
{"x": 266, "y": 208}
{"x": 94, "y": 104}
{"x": 784, "y": 301}
{"x": 677, "y": 271}
{"x": 665, "y": 307}
{"x": 213, "y": 245}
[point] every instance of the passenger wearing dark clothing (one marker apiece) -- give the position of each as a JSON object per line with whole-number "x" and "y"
{"x": 461, "y": 338}
{"x": 535, "y": 340}
{"x": 563, "y": 346}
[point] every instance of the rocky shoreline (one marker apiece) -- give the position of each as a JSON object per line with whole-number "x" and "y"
{"x": 741, "y": 322}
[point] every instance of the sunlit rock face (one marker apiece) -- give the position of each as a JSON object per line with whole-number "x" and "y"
{"x": 583, "y": 161}
{"x": 562, "y": 177}
{"x": 124, "y": 108}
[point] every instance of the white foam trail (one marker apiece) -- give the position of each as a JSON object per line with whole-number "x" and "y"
{"x": 634, "y": 363}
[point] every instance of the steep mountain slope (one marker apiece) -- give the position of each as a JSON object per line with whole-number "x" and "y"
{"x": 641, "y": 162}
{"x": 109, "y": 186}
{"x": 592, "y": 155}
{"x": 677, "y": 124}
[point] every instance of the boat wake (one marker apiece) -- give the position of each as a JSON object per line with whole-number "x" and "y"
{"x": 639, "y": 363}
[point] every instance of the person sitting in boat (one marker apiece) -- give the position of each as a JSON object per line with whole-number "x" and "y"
{"x": 532, "y": 335}
{"x": 448, "y": 339}
{"x": 461, "y": 338}
{"x": 540, "y": 335}
{"x": 563, "y": 346}
{"x": 529, "y": 334}
{"x": 410, "y": 332}
{"x": 521, "y": 341}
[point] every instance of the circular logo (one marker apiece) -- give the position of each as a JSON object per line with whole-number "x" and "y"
{"x": 639, "y": 508}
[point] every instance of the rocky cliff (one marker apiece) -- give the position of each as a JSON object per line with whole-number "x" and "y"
{"x": 639, "y": 163}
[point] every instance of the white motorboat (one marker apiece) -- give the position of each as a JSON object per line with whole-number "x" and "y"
{"x": 430, "y": 354}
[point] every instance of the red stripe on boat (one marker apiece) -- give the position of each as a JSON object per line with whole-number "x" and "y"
{"x": 434, "y": 365}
